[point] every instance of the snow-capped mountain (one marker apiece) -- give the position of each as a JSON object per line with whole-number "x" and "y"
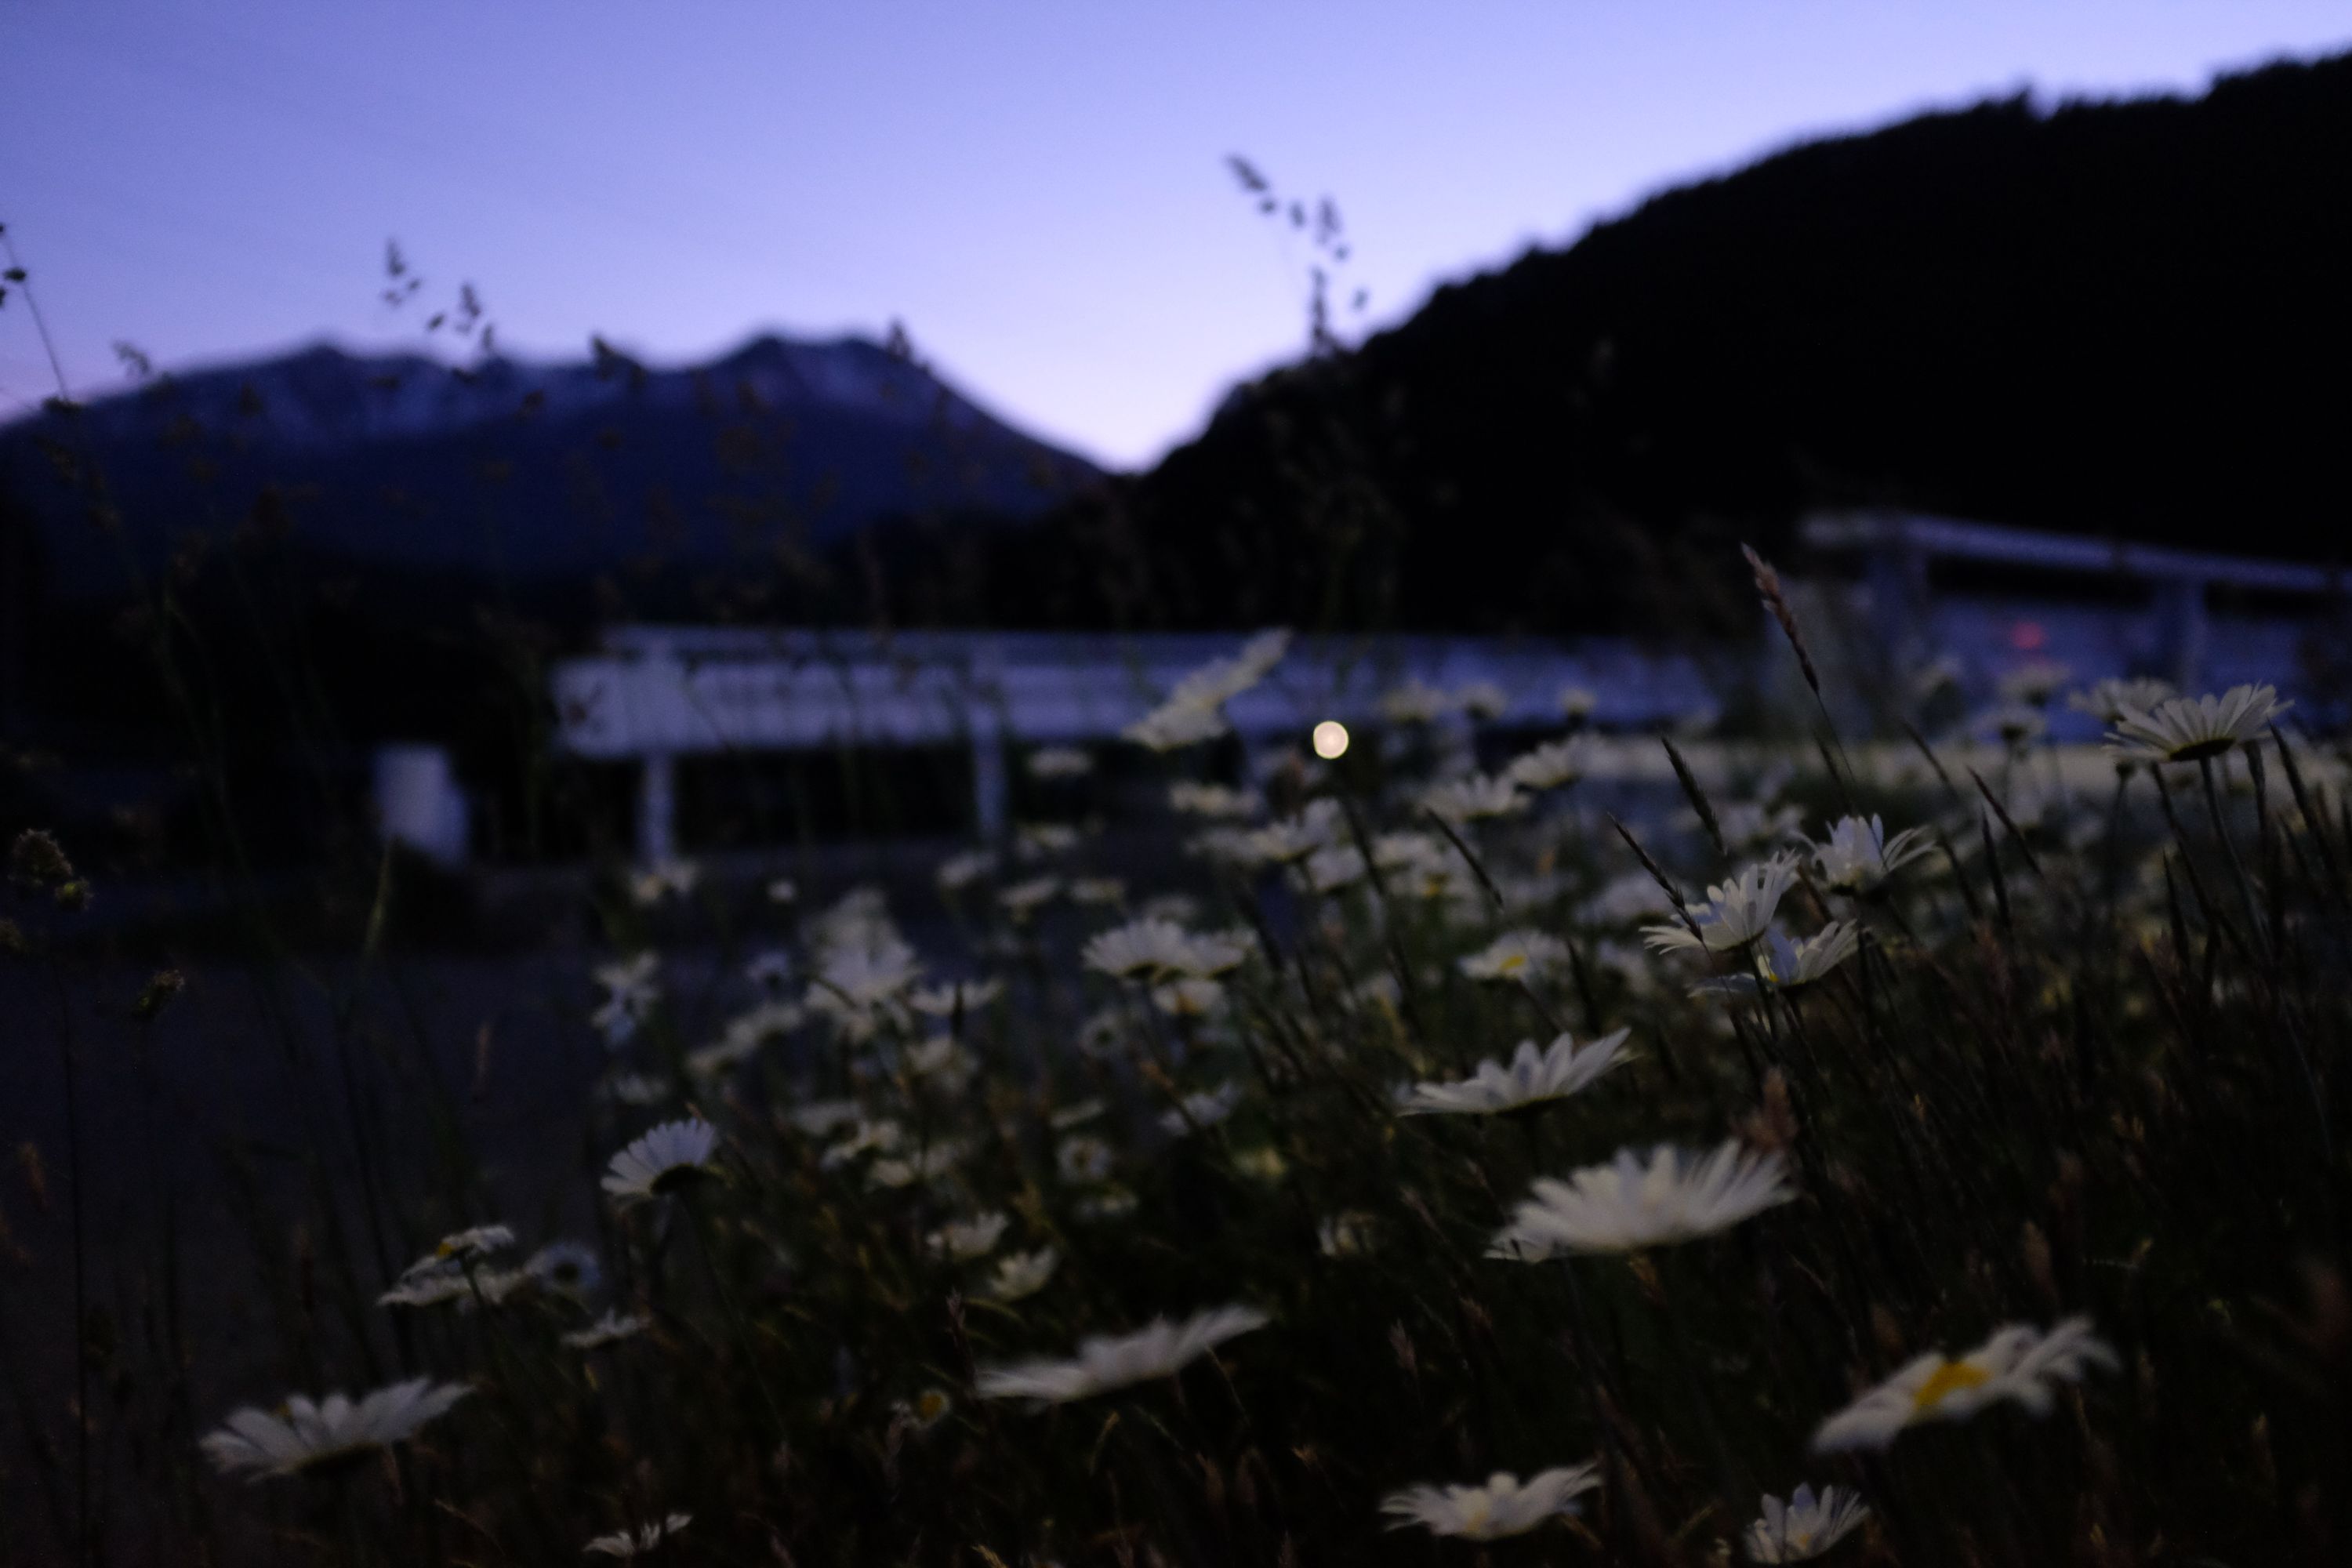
{"x": 527, "y": 468}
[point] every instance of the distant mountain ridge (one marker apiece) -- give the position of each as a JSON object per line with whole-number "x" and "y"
{"x": 527, "y": 468}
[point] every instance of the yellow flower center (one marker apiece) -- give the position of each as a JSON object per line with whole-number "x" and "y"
{"x": 1511, "y": 963}
{"x": 1948, "y": 1379}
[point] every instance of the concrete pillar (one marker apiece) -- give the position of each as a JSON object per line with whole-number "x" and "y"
{"x": 992, "y": 789}
{"x": 2180, "y": 631}
{"x": 419, "y": 803}
{"x": 1902, "y": 608}
{"x": 656, "y": 807}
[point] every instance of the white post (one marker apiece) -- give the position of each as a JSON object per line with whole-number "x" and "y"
{"x": 656, "y": 807}
{"x": 991, "y": 788}
{"x": 2181, "y": 630}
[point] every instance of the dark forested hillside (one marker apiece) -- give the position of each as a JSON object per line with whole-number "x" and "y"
{"x": 2126, "y": 318}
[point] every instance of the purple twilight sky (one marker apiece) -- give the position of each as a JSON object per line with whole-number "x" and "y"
{"x": 1038, "y": 189}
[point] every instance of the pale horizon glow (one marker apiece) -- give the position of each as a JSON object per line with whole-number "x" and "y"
{"x": 1037, "y": 191}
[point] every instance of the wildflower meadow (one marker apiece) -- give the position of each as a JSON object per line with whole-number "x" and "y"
{"x": 1867, "y": 1150}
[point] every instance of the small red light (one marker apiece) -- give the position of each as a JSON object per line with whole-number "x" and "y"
{"x": 2026, "y": 635}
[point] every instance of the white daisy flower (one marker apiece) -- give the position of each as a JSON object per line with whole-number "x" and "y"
{"x": 944, "y": 1001}
{"x": 635, "y": 1542}
{"x": 963, "y": 869}
{"x": 721, "y": 1058}
{"x": 866, "y": 976}
{"x": 962, "y": 1240}
{"x": 568, "y": 1267}
{"x": 942, "y": 1062}
{"x": 2191, "y": 729}
{"x": 1174, "y": 725}
{"x": 662, "y": 879}
{"x": 1260, "y": 1162}
{"x": 1505, "y": 1506}
{"x": 1533, "y": 1078}
{"x": 1627, "y": 1205}
{"x": 449, "y": 1272}
{"x": 610, "y": 1328}
{"x": 940, "y": 1159}
{"x": 1188, "y": 998}
{"x": 1233, "y": 846}
{"x": 1806, "y": 1528}
{"x": 1023, "y": 899}
{"x": 1408, "y": 849}
{"x": 1415, "y": 702}
{"x": 637, "y": 1088}
{"x": 1578, "y": 701}
{"x": 465, "y": 1245}
{"x": 1482, "y": 699}
{"x": 860, "y": 988}
{"x": 1201, "y": 1111}
{"x": 925, "y": 1411}
{"x": 1516, "y": 955}
{"x": 1551, "y": 765}
{"x": 864, "y": 1138}
{"x": 1144, "y": 945}
{"x": 1857, "y": 856}
{"x": 308, "y": 1438}
{"x": 1623, "y": 899}
{"x": 859, "y": 918}
{"x": 672, "y": 1155}
{"x": 1297, "y": 838}
{"x": 1111, "y": 1203}
{"x": 1789, "y": 966}
{"x": 1098, "y": 891}
{"x": 1150, "y": 946}
{"x": 2018, "y": 1364}
{"x": 1020, "y": 1275}
{"x": 2109, "y": 701}
{"x": 1181, "y": 908}
{"x": 1747, "y": 825}
{"x": 1104, "y": 1364}
{"x": 1334, "y": 868}
{"x": 428, "y": 1287}
{"x": 1221, "y": 681}
{"x": 1210, "y": 800}
{"x": 1209, "y": 953}
{"x": 2011, "y": 723}
{"x": 1040, "y": 841}
{"x": 1083, "y": 1158}
{"x": 1059, "y": 763}
{"x": 1736, "y": 912}
{"x": 769, "y": 1020}
{"x": 2034, "y": 681}
{"x": 1471, "y": 799}
{"x": 1349, "y": 1234}
{"x": 631, "y": 990}
{"x": 783, "y": 891}
{"x": 819, "y": 1117}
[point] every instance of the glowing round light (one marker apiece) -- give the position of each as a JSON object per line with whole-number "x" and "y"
{"x": 1330, "y": 739}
